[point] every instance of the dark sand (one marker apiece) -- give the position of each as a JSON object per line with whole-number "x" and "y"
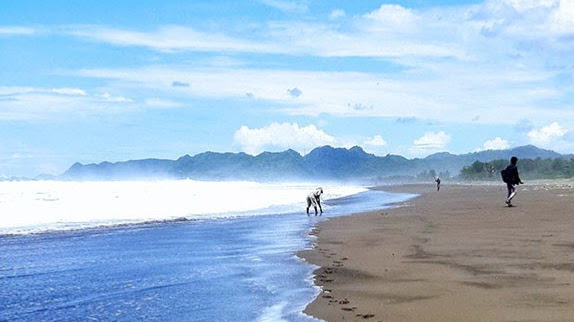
{"x": 456, "y": 255}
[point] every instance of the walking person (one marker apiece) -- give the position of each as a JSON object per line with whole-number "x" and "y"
{"x": 511, "y": 178}
{"x": 437, "y": 180}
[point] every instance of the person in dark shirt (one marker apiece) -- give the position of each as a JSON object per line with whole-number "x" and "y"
{"x": 437, "y": 180}
{"x": 512, "y": 180}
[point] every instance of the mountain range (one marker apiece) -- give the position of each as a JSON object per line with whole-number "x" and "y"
{"x": 325, "y": 163}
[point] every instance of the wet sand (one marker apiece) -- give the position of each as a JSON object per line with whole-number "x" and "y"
{"x": 455, "y": 255}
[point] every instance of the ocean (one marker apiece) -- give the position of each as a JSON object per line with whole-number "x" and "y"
{"x": 163, "y": 251}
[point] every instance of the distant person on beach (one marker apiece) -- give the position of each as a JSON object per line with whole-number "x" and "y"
{"x": 314, "y": 198}
{"x": 437, "y": 180}
{"x": 511, "y": 178}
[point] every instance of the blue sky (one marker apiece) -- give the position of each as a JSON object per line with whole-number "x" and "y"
{"x": 93, "y": 81}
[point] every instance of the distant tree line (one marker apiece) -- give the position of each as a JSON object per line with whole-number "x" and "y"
{"x": 528, "y": 169}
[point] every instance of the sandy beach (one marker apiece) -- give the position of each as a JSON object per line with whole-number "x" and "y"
{"x": 455, "y": 255}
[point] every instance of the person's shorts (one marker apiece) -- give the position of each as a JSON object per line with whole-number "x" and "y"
{"x": 311, "y": 201}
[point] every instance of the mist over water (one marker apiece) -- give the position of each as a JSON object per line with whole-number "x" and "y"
{"x": 36, "y": 206}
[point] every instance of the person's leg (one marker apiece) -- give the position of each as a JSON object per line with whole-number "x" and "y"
{"x": 510, "y": 193}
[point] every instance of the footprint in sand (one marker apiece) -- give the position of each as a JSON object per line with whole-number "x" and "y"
{"x": 366, "y": 316}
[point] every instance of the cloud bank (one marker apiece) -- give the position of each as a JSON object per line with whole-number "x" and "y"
{"x": 430, "y": 142}
{"x": 466, "y": 64}
{"x": 281, "y": 136}
{"x": 497, "y": 143}
{"x": 547, "y": 134}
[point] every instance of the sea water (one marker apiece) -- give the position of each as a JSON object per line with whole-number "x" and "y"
{"x": 230, "y": 262}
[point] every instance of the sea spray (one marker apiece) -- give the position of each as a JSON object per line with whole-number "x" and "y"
{"x": 36, "y": 206}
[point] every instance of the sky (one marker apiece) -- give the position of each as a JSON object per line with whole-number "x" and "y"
{"x": 92, "y": 81}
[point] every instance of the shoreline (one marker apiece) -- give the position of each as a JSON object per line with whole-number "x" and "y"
{"x": 456, "y": 255}
{"x": 249, "y": 257}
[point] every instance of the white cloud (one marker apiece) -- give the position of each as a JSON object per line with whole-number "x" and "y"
{"x": 543, "y": 21}
{"x": 497, "y": 143}
{"x": 110, "y": 98}
{"x": 69, "y": 91}
{"x": 376, "y": 141}
{"x": 336, "y": 14}
{"x": 365, "y": 39}
{"x": 430, "y": 142}
{"x": 281, "y": 136}
{"x": 346, "y": 94}
{"x": 547, "y": 134}
{"x": 293, "y": 37}
{"x": 486, "y": 60}
{"x": 562, "y": 18}
{"x": 511, "y": 27}
{"x": 27, "y": 103}
{"x": 375, "y": 145}
{"x": 158, "y": 102}
{"x": 392, "y": 15}
{"x": 16, "y": 30}
{"x": 169, "y": 39}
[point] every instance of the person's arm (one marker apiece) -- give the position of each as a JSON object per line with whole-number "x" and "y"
{"x": 515, "y": 175}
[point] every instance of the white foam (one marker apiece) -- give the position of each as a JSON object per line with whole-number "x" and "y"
{"x": 273, "y": 313}
{"x": 32, "y": 206}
